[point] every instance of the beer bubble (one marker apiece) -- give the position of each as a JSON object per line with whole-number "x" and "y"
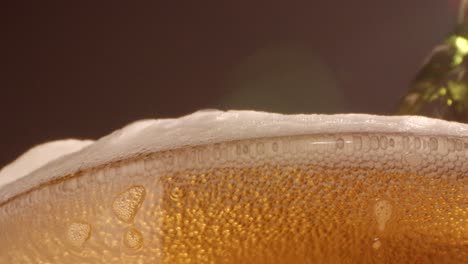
{"x": 176, "y": 194}
{"x": 417, "y": 143}
{"x": 339, "y": 143}
{"x": 383, "y": 142}
{"x": 433, "y": 143}
{"x": 374, "y": 142}
{"x": 357, "y": 141}
{"x": 413, "y": 159}
{"x": 275, "y": 147}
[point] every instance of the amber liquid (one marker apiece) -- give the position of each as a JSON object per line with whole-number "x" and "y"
{"x": 352, "y": 199}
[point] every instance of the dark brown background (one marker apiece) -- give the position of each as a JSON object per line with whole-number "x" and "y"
{"x": 71, "y": 69}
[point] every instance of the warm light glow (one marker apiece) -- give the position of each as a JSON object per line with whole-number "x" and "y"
{"x": 461, "y": 45}
{"x": 443, "y": 91}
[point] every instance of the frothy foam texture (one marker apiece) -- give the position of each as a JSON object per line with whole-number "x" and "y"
{"x": 38, "y": 156}
{"x": 204, "y": 127}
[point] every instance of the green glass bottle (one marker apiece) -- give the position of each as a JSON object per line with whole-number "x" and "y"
{"x": 440, "y": 89}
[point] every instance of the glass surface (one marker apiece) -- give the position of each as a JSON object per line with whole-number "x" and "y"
{"x": 326, "y": 198}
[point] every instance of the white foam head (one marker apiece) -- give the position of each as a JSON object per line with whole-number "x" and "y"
{"x": 204, "y": 127}
{"x": 38, "y": 156}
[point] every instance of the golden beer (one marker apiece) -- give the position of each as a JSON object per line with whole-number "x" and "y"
{"x": 370, "y": 195}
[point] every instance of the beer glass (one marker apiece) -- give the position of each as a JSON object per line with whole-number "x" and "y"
{"x": 245, "y": 187}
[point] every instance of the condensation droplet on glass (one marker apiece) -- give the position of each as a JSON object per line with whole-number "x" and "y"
{"x": 376, "y": 244}
{"x": 127, "y": 203}
{"x": 382, "y": 212}
{"x": 78, "y": 233}
{"x": 133, "y": 238}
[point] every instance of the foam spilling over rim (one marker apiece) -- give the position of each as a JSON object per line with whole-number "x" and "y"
{"x": 39, "y": 155}
{"x": 206, "y": 127}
